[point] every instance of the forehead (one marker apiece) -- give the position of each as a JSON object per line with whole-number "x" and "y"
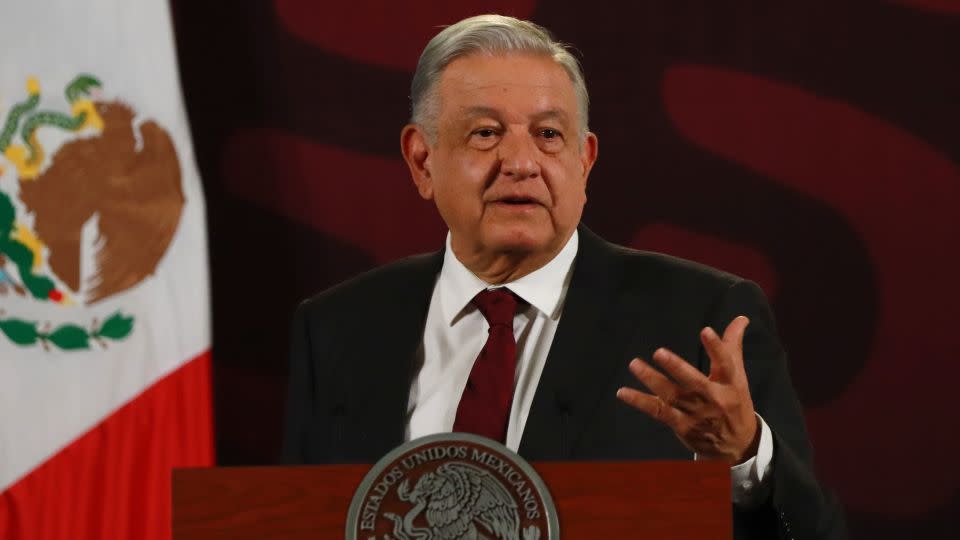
{"x": 510, "y": 84}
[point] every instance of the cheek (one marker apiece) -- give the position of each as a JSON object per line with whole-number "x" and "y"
{"x": 458, "y": 187}
{"x": 566, "y": 184}
{"x": 572, "y": 205}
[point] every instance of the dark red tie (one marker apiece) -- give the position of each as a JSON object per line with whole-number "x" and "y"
{"x": 485, "y": 405}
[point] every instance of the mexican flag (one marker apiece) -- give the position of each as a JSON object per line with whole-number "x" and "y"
{"x": 104, "y": 304}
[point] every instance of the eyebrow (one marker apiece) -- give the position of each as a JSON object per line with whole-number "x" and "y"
{"x": 480, "y": 110}
{"x": 551, "y": 114}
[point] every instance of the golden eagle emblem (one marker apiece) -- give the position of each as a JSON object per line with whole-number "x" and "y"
{"x": 88, "y": 220}
{"x": 460, "y": 502}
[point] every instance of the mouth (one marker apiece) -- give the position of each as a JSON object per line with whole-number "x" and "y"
{"x": 518, "y": 202}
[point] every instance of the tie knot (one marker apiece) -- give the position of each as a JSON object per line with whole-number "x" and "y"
{"x": 498, "y": 306}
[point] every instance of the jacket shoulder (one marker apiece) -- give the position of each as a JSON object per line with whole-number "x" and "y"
{"x": 653, "y": 268}
{"x": 683, "y": 289}
{"x": 387, "y": 283}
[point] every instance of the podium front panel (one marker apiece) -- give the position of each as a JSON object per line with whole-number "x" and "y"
{"x": 635, "y": 500}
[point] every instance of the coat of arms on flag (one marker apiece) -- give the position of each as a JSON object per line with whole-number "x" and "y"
{"x": 104, "y": 308}
{"x": 111, "y": 167}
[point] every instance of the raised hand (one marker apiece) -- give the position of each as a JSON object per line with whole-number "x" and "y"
{"x": 712, "y": 415}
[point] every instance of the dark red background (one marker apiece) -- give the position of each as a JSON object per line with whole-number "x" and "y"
{"x": 810, "y": 146}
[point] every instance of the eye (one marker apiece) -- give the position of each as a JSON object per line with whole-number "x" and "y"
{"x": 550, "y": 134}
{"x": 484, "y": 138}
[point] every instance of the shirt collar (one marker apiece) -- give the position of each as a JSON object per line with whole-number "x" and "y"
{"x": 544, "y": 288}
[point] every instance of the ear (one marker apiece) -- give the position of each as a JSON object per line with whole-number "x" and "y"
{"x": 588, "y": 154}
{"x": 416, "y": 152}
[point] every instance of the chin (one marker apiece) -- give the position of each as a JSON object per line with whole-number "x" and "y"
{"x": 520, "y": 240}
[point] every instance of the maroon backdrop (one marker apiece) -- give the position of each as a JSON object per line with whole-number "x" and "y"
{"x": 810, "y": 146}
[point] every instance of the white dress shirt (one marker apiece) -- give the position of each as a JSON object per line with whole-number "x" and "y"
{"x": 456, "y": 331}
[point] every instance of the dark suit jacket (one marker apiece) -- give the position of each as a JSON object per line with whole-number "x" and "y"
{"x": 353, "y": 351}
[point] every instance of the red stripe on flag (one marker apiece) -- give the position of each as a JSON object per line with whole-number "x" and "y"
{"x": 114, "y": 481}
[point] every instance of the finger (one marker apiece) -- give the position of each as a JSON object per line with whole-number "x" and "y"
{"x": 733, "y": 335}
{"x": 655, "y": 381}
{"x": 721, "y": 369}
{"x": 652, "y": 406}
{"x": 681, "y": 371}
{"x": 687, "y": 402}
{"x": 726, "y": 354}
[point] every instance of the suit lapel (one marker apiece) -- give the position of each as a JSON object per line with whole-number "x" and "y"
{"x": 382, "y": 364}
{"x": 584, "y": 358}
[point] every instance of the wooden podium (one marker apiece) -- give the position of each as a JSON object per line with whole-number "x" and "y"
{"x": 669, "y": 500}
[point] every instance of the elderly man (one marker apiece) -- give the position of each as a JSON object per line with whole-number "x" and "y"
{"x": 523, "y": 327}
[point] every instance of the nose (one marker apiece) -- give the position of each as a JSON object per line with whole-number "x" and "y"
{"x": 518, "y": 154}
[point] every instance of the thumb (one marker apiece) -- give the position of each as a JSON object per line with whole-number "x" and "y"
{"x": 733, "y": 335}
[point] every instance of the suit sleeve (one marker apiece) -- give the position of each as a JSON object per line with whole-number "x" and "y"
{"x": 300, "y": 392}
{"x": 797, "y": 506}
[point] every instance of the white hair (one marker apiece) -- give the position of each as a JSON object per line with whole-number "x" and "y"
{"x": 487, "y": 34}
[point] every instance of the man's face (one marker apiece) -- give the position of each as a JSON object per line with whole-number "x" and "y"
{"x": 507, "y": 171}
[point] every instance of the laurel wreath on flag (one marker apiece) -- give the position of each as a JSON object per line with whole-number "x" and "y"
{"x": 67, "y": 336}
